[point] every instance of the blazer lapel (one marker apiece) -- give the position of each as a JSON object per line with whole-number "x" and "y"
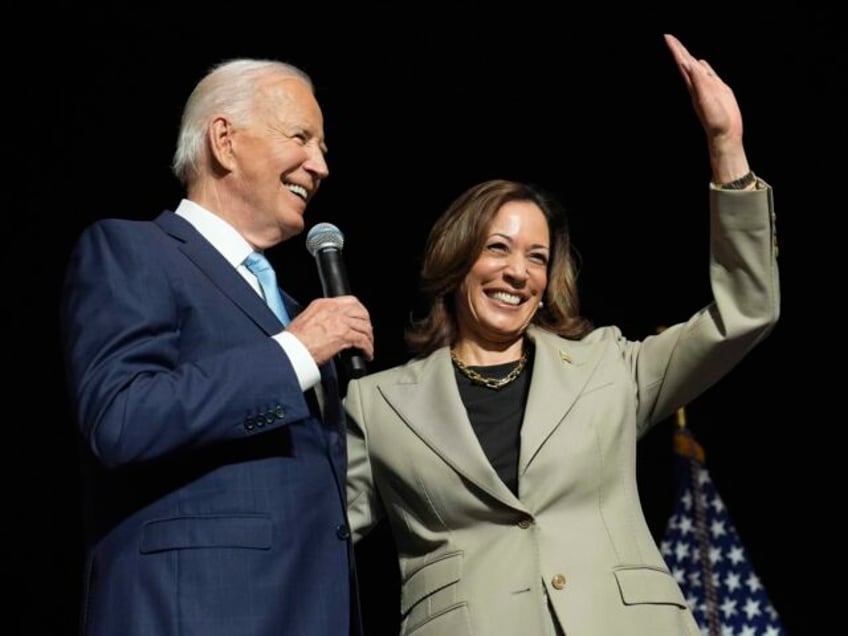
{"x": 219, "y": 271}
{"x": 560, "y": 371}
{"x": 427, "y": 400}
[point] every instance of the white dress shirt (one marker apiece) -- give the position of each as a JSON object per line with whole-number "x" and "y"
{"x": 235, "y": 249}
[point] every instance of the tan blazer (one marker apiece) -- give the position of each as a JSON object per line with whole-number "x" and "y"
{"x": 475, "y": 559}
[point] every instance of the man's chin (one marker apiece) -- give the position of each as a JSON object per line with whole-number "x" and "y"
{"x": 292, "y": 225}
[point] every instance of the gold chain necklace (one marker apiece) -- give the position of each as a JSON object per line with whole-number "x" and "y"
{"x": 492, "y": 383}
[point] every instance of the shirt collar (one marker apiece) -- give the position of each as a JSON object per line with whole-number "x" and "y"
{"x": 223, "y": 236}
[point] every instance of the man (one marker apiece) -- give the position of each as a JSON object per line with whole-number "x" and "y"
{"x": 213, "y": 437}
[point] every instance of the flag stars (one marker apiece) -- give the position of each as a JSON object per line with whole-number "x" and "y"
{"x": 715, "y": 555}
{"x": 691, "y": 545}
{"x": 752, "y": 609}
{"x": 735, "y": 554}
{"x": 695, "y": 578}
{"x": 718, "y": 529}
{"x": 728, "y": 608}
{"x": 732, "y": 582}
{"x": 753, "y": 583}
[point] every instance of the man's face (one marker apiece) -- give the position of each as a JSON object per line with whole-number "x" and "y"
{"x": 279, "y": 159}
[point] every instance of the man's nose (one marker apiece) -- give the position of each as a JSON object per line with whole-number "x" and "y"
{"x": 316, "y": 163}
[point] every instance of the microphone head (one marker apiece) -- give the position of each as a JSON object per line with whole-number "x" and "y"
{"x": 323, "y": 236}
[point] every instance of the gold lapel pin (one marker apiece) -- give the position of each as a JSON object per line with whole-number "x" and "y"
{"x": 564, "y": 356}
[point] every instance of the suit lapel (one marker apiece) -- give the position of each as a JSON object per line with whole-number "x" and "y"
{"x": 216, "y": 268}
{"x": 427, "y": 400}
{"x": 560, "y": 371}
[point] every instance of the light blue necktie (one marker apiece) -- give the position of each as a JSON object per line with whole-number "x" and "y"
{"x": 261, "y": 268}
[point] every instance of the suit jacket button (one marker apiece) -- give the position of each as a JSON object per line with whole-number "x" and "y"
{"x": 248, "y": 423}
{"x": 558, "y": 581}
{"x": 525, "y": 523}
{"x": 278, "y": 412}
{"x": 342, "y": 532}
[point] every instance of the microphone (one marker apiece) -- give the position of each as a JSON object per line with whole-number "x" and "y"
{"x": 325, "y": 241}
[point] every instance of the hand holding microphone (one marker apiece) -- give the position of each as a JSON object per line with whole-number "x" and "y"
{"x": 340, "y": 323}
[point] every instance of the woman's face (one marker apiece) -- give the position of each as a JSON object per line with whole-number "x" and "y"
{"x": 502, "y": 291}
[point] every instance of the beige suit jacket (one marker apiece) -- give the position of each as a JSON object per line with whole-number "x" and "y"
{"x": 574, "y": 546}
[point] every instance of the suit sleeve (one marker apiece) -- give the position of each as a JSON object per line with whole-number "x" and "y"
{"x": 364, "y": 507}
{"x": 674, "y": 367}
{"x": 141, "y": 389}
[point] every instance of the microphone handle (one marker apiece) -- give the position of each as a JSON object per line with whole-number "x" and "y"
{"x": 354, "y": 363}
{"x": 332, "y": 272}
{"x": 334, "y": 282}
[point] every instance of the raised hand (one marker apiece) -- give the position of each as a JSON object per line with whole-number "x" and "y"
{"x": 718, "y": 111}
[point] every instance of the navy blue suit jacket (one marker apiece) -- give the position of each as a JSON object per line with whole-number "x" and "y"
{"x": 214, "y": 491}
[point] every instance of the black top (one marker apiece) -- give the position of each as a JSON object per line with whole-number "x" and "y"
{"x": 496, "y": 416}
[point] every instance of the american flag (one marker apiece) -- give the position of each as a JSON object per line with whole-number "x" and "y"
{"x": 707, "y": 558}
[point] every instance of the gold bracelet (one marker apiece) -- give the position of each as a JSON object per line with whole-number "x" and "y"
{"x": 739, "y": 184}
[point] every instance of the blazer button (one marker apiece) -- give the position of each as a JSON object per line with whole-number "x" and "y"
{"x": 248, "y": 423}
{"x": 278, "y": 412}
{"x": 342, "y": 532}
{"x": 525, "y": 523}
{"x": 558, "y": 582}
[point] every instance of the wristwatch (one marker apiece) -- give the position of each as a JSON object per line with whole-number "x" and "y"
{"x": 739, "y": 184}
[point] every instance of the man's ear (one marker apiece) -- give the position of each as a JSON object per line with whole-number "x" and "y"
{"x": 221, "y": 142}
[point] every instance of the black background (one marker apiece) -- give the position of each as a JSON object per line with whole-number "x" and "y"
{"x": 421, "y": 102}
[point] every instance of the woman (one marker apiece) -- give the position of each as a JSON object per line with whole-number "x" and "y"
{"x": 504, "y": 455}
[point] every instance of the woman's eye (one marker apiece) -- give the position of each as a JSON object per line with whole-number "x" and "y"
{"x": 542, "y": 259}
{"x": 497, "y": 247}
